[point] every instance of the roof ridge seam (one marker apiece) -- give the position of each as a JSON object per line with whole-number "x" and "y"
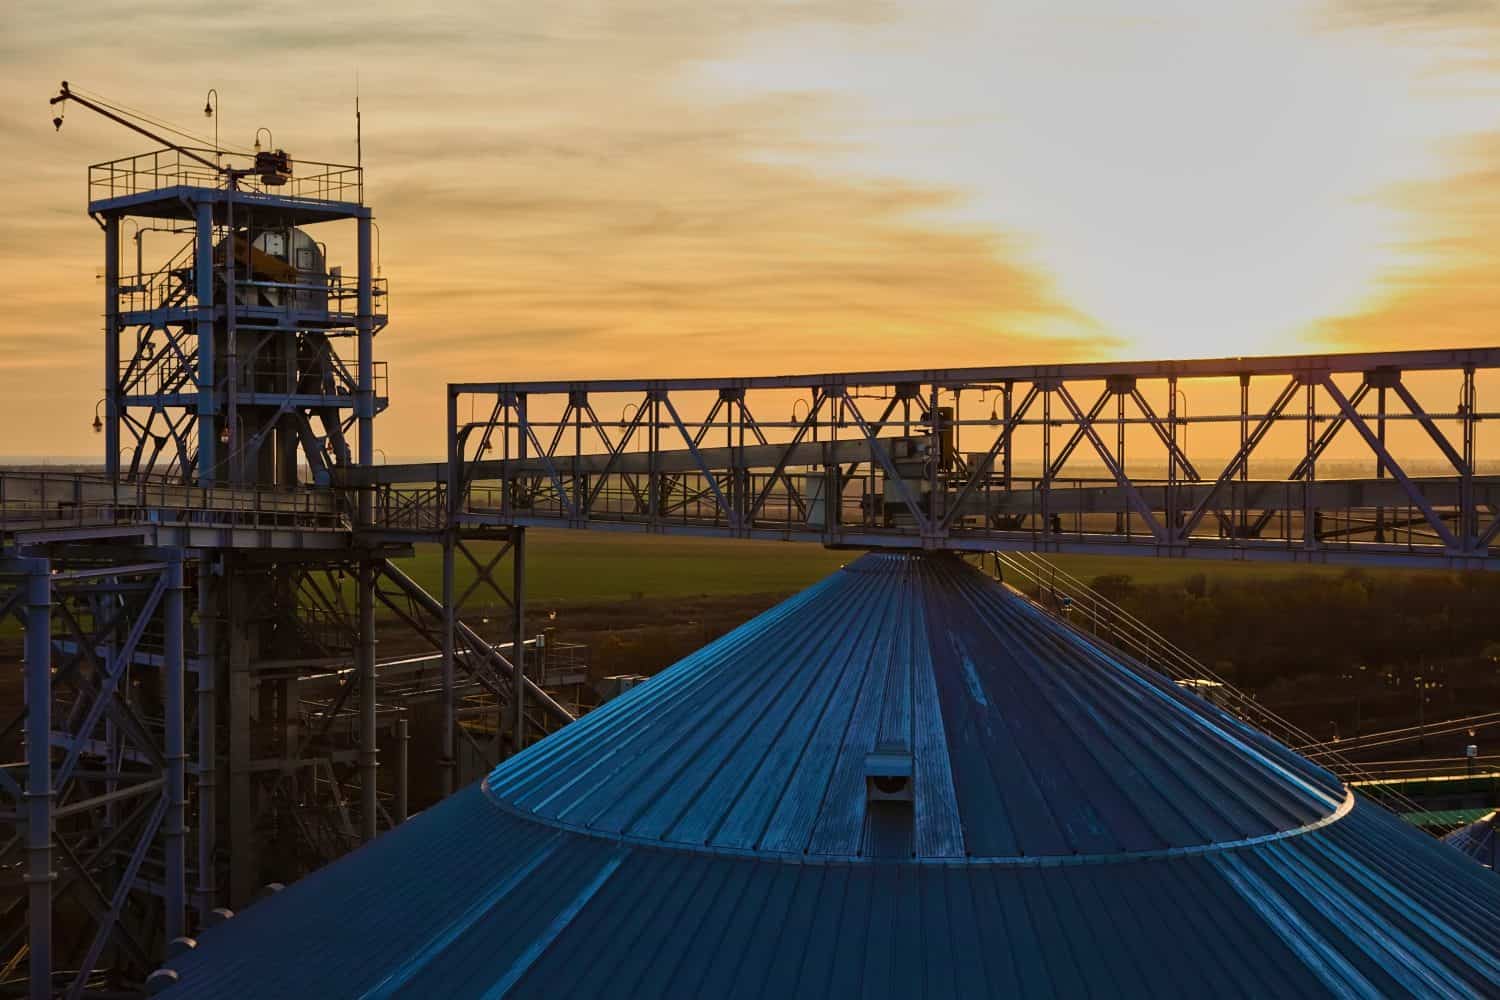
{"x": 1020, "y": 861}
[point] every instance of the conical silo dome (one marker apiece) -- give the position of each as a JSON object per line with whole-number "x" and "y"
{"x": 903, "y": 781}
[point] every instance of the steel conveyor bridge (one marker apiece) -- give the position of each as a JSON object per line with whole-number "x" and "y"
{"x": 1313, "y": 458}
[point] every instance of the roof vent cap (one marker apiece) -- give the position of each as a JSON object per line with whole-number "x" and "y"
{"x": 888, "y": 774}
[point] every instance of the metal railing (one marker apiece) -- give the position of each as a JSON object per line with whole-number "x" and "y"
{"x": 168, "y": 285}
{"x": 39, "y": 501}
{"x": 422, "y": 508}
{"x": 310, "y": 293}
{"x": 1017, "y": 513}
{"x": 172, "y": 374}
{"x": 166, "y": 168}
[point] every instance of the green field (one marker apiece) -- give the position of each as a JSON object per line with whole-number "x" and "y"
{"x": 577, "y": 566}
{"x": 1144, "y": 569}
{"x": 580, "y": 566}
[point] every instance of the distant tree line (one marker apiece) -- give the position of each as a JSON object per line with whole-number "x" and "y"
{"x": 1359, "y": 633}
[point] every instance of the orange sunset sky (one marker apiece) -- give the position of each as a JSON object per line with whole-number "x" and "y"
{"x": 676, "y": 187}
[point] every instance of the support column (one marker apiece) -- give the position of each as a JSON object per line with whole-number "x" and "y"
{"x": 1309, "y": 512}
{"x": 1380, "y": 456}
{"x": 234, "y": 453}
{"x": 930, "y": 520}
{"x": 365, "y": 655}
{"x": 208, "y": 735}
{"x": 365, "y": 392}
{"x": 403, "y": 773}
{"x": 1244, "y": 503}
{"x": 1009, "y": 467}
{"x": 1046, "y": 492}
{"x": 39, "y": 875}
{"x": 1468, "y": 514}
{"x": 368, "y": 749}
{"x": 452, "y": 505}
{"x": 450, "y": 712}
{"x": 243, "y": 866}
{"x": 1122, "y": 519}
{"x": 203, "y": 275}
{"x": 1172, "y": 523}
{"x": 518, "y": 649}
{"x": 112, "y": 347}
{"x": 175, "y": 745}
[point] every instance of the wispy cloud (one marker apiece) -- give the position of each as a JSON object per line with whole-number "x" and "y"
{"x": 678, "y": 187}
{"x": 1444, "y": 291}
{"x": 555, "y": 193}
{"x": 1417, "y": 13}
{"x": 1438, "y": 287}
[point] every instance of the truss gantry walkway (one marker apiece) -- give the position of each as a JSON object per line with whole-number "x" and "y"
{"x": 1320, "y": 458}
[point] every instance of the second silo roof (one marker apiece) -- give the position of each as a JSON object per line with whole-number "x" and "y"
{"x": 1480, "y": 840}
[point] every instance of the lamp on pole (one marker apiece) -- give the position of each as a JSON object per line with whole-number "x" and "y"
{"x": 210, "y": 110}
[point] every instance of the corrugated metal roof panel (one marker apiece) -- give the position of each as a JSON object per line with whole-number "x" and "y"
{"x": 1025, "y": 739}
{"x": 1078, "y": 826}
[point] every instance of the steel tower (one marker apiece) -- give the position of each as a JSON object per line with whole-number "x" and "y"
{"x": 204, "y": 713}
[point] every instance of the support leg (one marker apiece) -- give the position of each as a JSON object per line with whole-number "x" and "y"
{"x": 243, "y": 867}
{"x": 403, "y": 743}
{"x": 450, "y": 716}
{"x": 176, "y": 751}
{"x": 368, "y": 749}
{"x": 39, "y": 875}
{"x": 518, "y": 596}
{"x": 207, "y": 767}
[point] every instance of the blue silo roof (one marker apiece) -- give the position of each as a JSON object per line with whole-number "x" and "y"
{"x": 1480, "y": 840}
{"x": 1029, "y": 741}
{"x": 903, "y": 781}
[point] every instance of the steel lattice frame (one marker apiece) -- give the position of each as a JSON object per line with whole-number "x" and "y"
{"x": 105, "y": 783}
{"x": 206, "y": 386}
{"x": 270, "y": 741}
{"x": 263, "y": 747}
